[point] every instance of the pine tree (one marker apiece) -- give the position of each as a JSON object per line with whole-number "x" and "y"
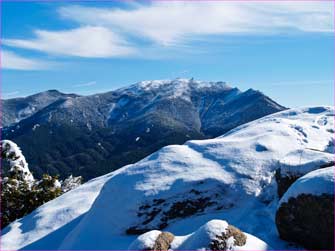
{"x": 14, "y": 200}
{"x": 16, "y": 186}
{"x": 20, "y": 192}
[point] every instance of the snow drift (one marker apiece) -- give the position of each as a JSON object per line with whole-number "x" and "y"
{"x": 181, "y": 187}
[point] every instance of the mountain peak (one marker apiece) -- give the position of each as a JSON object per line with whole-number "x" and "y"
{"x": 53, "y": 91}
{"x": 175, "y": 88}
{"x": 252, "y": 91}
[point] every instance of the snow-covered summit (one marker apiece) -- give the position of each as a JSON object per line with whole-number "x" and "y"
{"x": 179, "y": 82}
{"x": 181, "y": 187}
{"x": 176, "y": 88}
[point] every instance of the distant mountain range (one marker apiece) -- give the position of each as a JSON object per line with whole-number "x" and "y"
{"x": 92, "y": 135}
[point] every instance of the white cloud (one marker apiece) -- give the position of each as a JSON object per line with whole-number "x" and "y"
{"x": 10, "y": 60}
{"x": 169, "y": 23}
{"x": 87, "y": 41}
{"x": 106, "y": 32}
{"x": 86, "y": 84}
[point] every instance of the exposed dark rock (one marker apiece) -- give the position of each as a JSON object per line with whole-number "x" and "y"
{"x": 163, "y": 225}
{"x": 136, "y": 231}
{"x": 168, "y": 211}
{"x": 196, "y": 192}
{"x": 151, "y": 215}
{"x": 220, "y": 243}
{"x": 284, "y": 182}
{"x": 146, "y": 206}
{"x": 188, "y": 207}
{"x": 308, "y": 220}
{"x": 158, "y": 201}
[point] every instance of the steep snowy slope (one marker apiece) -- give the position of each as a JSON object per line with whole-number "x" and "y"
{"x": 180, "y": 188}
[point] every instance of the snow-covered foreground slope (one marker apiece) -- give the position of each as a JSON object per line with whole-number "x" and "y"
{"x": 180, "y": 188}
{"x": 49, "y": 224}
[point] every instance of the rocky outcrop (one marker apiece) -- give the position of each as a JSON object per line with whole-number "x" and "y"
{"x": 223, "y": 241}
{"x": 308, "y": 220}
{"x": 284, "y": 182}
{"x": 305, "y": 213}
{"x": 163, "y": 241}
{"x": 159, "y": 213}
{"x": 286, "y": 178}
{"x": 153, "y": 240}
{"x": 214, "y": 235}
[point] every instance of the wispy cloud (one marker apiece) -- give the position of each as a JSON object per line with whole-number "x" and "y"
{"x": 7, "y": 95}
{"x": 114, "y": 32}
{"x": 13, "y": 61}
{"x": 86, "y": 41}
{"x": 92, "y": 83}
{"x": 168, "y": 23}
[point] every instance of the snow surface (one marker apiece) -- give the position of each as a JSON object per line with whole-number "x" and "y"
{"x": 200, "y": 239}
{"x": 46, "y": 226}
{"x": 317, "y": 182}
{"x": 25, "y": 112}
{"x": 144, "y": 241}
{"x": 303, "y": 161}
{"x": 236, "y": 171}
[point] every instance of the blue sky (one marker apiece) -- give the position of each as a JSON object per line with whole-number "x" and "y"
{"x": 284, "y": 49}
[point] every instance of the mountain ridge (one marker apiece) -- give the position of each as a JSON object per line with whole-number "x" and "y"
{"x": 92, "y": 135}
{"x": 16, "y": 109}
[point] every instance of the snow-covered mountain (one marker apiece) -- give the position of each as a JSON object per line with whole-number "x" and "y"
{"x": 93, "y": 135}
{"x": 181, "y": 187}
